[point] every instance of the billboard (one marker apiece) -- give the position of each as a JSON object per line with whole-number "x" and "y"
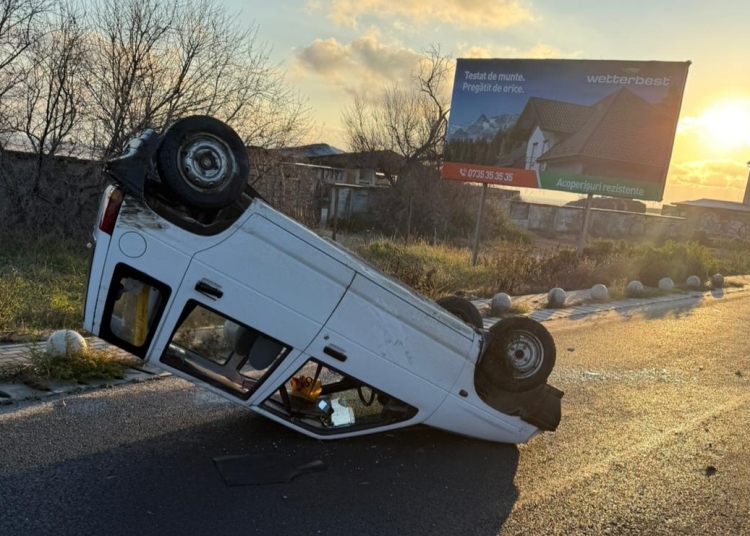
{"x": 580, "y": 126}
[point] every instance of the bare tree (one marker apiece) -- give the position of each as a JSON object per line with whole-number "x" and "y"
{"x": 51, "y": 106}
{"x": 409, "y": 120}
{"x": 124, "y": 56}
{"x": 76, "y": 84}
{"x": 156, "y": 60}
{"x": 19, "y": 29}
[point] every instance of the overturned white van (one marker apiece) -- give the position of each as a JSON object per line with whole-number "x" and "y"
{"x": 193, "y": 272}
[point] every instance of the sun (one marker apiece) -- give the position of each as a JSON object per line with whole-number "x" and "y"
{"x": 727, "y": 123}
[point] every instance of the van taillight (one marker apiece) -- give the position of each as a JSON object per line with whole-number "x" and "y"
{"x": 109, "y": 217}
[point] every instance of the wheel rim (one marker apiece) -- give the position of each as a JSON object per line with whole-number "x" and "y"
{"x": 205, "y": 162}
{"x": 525, "y": 354}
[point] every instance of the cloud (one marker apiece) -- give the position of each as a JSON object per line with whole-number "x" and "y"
{"x": 461, "y": 13}
{"x": 366, "y": 64}
{"x": 538, "y": 51}
{"x": 714, "y": 174}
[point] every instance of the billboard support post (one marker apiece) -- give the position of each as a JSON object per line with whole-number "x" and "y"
{"x": 335, "y": 211}
{"x": 478, "y": 230}
{"x": 585, "y": 227}
{"x": 408, "y": 219}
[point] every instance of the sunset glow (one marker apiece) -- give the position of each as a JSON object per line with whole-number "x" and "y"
{"x": 334, "y": 49}
{"x": 727, "y": 123}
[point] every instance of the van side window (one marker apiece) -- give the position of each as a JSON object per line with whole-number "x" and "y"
{"x": 226, "y": 354}
{"x": 135, "y": 304}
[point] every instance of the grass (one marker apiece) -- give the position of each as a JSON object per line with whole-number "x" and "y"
{"x": 75, "y": 366}
{"x": 517, "y": 268}
{"x": 515, "y": 310}
{"x": 442, "y": 270}
{"x": 41, "y": 288}
{"x": 12, "y": 372}
{"x": 618, "y": 291}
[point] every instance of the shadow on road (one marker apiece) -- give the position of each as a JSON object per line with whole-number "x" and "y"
{"x": 413, "y": 481}
{"x": 670, "y": 310}
{"x": 541, "y": 315}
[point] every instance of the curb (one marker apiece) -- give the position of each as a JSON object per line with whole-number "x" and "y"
{"x": 11, "y": 393}
{"x": 575, "y": 312}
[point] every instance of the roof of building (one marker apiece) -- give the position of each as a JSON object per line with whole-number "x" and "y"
{"x": 553, "y": 115}
{"x": 387, "y": 162}
{"x": 311, "y": 151}
{"x": 311, "y": 166}
{"x": 716, "y": 204}
{"x": 621, "y": 127}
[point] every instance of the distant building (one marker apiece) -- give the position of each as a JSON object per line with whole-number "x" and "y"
{"x": 714, "y": 217}
{"x": 368, "y": 168}
{"x": 305, "y": 182}
{"x": 612, "y": 203}
{"x": 310, "y": 151}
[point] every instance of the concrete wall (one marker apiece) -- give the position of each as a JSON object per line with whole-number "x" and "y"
{"x": 717, "y": 223}
{"x": 604, "y": 223}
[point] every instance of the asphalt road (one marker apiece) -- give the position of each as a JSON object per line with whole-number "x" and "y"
{"x": 653, "y": 441}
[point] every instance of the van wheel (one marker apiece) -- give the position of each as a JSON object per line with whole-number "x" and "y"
{"x": 203, "y": 162}
{"x": 520, "y": 356}
{"x": 463, "y": 309}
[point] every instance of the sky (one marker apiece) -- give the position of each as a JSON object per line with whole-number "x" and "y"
{"x": 332, "y": 49}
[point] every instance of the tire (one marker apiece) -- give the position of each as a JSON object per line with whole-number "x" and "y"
{"x": 520, "y": 356}
{"x": 463, "y": 309}
{"x": 203, "y": 162}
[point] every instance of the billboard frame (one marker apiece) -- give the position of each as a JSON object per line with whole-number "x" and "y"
{"x": 655, "y": 102}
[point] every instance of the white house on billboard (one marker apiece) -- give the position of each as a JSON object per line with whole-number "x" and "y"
{"x": 621, "y": 135}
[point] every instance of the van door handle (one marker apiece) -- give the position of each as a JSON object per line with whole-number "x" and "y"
{"x": 208, "y": 289}
{"x": 335, "y": 352}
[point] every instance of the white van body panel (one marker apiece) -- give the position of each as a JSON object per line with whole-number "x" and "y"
{"x": 397, "y": 331}
{"x": 464, "y": 412}
{"x": 281, "y": 279}
{"x": 360, "y": 266}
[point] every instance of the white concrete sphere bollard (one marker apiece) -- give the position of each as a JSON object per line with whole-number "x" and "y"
{"x": 634, "y": 289}
{"x": 717, "y": 281}
{"x": 501, "y": 302}
{"x": 599, "y": 292}
{"x": 230, "y": 328}
{"x": 63, "y": 341}
{"x": 666, "y": 284}
{"x": 693, "y": 281}
{"x": 556, "y": 298}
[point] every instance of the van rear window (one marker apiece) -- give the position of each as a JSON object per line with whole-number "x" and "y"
{"x": 134, "y": 306}
{"x": 134, "y": 310}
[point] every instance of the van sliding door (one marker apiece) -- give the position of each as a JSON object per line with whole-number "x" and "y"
{"x": 276, "y": 289}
